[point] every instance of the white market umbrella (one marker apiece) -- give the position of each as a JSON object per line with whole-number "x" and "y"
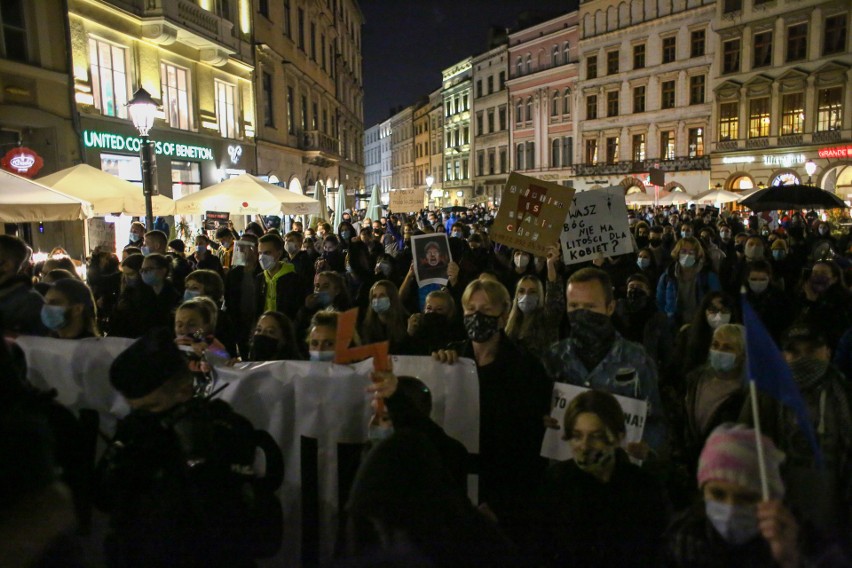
{"x": 319, "y": 195}
{"x": 23, "y": 200}
{"x": 639, "y": 198}
{"x": 245, "y": 195}
{"x": 107, "y": 193}
{"x": 339, "y": 206}
{"x": 746, "y": 192}
{"x": 675, "y": 198}
{"x": 715, "y": 197}
{"x": 374, "y": 205}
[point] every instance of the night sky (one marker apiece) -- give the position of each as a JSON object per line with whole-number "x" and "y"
{"x": 407, "y": 43}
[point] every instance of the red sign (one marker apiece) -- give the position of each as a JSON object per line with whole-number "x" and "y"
{"x": 22, "y": 161}
{"x": 836, "y": 152}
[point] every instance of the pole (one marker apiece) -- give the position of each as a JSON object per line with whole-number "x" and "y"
{"x": 761, "y": 461}
{"x": 149, "y": 180}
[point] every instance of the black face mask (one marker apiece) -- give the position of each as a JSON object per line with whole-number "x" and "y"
{"x": 636, "y": 299}
{"x": 642, "y": 242}
{"x": 592, "y": 333}
{"x": 655, "y": 242}
{"x": 433, "y": 322}
{"x": 263, "y": 348}
{"x": 480, "y": 327}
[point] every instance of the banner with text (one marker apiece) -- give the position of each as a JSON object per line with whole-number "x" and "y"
{"x": 317, "y": 413}
{"x": 555, "y": 448}
{"x": 596, "y": 226}
{"x": 531, "y": 214}
{"x": 406, "y": 200}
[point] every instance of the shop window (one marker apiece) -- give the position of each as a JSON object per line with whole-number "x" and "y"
{"x": 226, "y": 109}
{"x": 14, "y": 31}
{"x": 186, "y": 178}
{"x": 742, "y": 183}
{"x": 176, "y": 101}
{"x": 128, "y": 168}
{"x": 109, "y": 77}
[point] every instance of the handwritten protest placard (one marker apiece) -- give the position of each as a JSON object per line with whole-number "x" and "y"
{"x": 596, "y": 226}
{"x": 406, "y": 200}
{"x": 531, "y": 214}
{"x": 554, "y": 447}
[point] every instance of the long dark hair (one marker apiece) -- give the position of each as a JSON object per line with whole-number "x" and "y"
{"x": 700, "y": 334}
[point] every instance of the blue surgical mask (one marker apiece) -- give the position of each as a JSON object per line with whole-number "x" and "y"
{"x": 323, "y": 298}
{"x": 200, "y": 249}
{"x": 779, "y": 254}
{"x": 687, "y": 260}
{"x": 53, "y": 317}
{"x": 722, "y": 361}
{"x": 346, "y": 235}
{"x": 326, "y": 356}
{"x": 527, "y": 303}
{"x": 457, "y": 235}
{"x": 190, "y": 294}
{"x": 146, "y": 250}
{"x": 643, "y": 262}
{"x": 685, "y": 234}
{"x": 134, "y": 238}
{"x": 737, "y": 524}
{"x": 378, "y": 433}
{"x": 381, "y": 305}
{"x": 151, "y": 279}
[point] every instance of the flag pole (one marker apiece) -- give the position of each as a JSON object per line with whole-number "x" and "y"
{"x": 755, "y": 414}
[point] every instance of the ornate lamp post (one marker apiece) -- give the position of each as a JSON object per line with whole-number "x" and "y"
{"x": 143, "y": 109}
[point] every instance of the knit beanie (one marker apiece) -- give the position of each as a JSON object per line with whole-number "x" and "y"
{"x": 730, "y": 454}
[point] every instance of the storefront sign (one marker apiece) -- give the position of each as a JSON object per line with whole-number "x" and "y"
{"x": 738, "y": 160}
{"x": 835, "y": 152}
{"x": 22, "y": 161}
{"x": 116, "y": 142}
{"x": 215, "y": 219}
{"x": 786, "y": 160}
{"x": 235, "y": 153}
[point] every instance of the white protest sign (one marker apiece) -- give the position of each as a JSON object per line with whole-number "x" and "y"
{"x": 555, "y": 448}
{"x": 406, "y": 200}
{"x": 596, "y": 226}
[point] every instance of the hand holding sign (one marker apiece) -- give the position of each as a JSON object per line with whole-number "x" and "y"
{"x": 344, "y": 354}
{"x": 596, "y": 226}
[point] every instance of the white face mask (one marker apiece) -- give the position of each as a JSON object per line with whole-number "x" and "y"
{"x": 718, "y": 319}
{"x": 737, "y": 524}
{"x": 522, "y": 261}
{"x": 527, "y": 303}
{"x": 321, "y": 355}
{"x": 267, "y": 261}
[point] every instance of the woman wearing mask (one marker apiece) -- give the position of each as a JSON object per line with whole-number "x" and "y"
{"x": 599, "y": 509}
{"x": 330, "y": 294}
{"x": 386, "y": 269}
{"x": 385, "y": 319}
{"x": 685, "y": 282}
{"x": 692, "y": 343}
{"x": 638, "y": 319}
{"x": 331, "y": 258}
{"x": 767, "y": 299}
{"x": 130, "y": 316}
{"x": 155, "y": 275}
{"x": 322, "y": 336}
{"x": 195, "y": 322}
{"x": 647, "y": 264}
{"x": 360, "y": 273}
{"x": 522, "y": 267}
{"x": 346, "y": 233}
{"x": 438, "y": 325}
{"x": 69, "y": 310}
{"x": 825, "y": 301}
{"x": 514, "y": 396}
{"x": 530, "y": 324}
{"x": 786, "y": 271}
{"x": 208, "y": 284}
{"x": 731, "y": 527}
{"x": 274, "y": 339}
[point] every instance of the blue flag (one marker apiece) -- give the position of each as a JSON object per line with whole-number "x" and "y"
{"x": 772, "y": 375}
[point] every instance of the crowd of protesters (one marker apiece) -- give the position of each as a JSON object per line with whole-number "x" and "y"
{"x": 662, "y": 324}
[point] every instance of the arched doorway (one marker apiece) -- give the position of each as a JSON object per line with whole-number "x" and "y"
{"x": 740, "y": 182}
{"x": 838, "y": 180}
{"x": 295, "y": 185}
{"x": 633, "y": 185}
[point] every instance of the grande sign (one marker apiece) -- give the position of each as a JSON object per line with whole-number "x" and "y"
{"x": 118, "y": 143}
{"x": 835, "y": 152}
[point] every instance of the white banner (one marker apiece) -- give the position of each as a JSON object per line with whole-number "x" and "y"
{"x": 555, "y": 448}
{"x": 317, "y": 413}
{"x": 596, "y": 226}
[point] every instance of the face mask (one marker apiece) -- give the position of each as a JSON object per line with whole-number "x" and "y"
{"x": 655, "y": 242}
{"x": 642, "y": 241}
{"x": 131, "y": 282}
{"x": 758, "y": 286}
{"x": 200, "y": 249}
{"x": 591, "y": 331}
{"x": 322, "y": 355}
{"x": 636, "y": 299}
{"x": 521, "y": 261}
{"x": 266, "y": 261}
{"x": 595, "y": 461}
{"x": 754, "y": 252}
{"x": 323, "y": 298}
{"x": 380, "y": 305}
{"x": 151, "y": 279}
{"x": 239, "y": 258}
{"x": 481, "y": 327}
{"x": 383, "y": 268}
{"x": 722, "y": 361}
{"x": 291, "y": 248}
{"x": 134, "y": 238}
{"x": 820, "y": 283}
{"x": 53, "y": 317}
{"x": 807, "y": 370}
{"x": 643, "y": 262}
{"x": 263, "y": 348}
{"x": 378, "y": 433}
{"x": 190, "y": 294}
{"x": 779, "y": 254}
{"x": 456, "y": 235}
{"x": 527, "y": 303}
{"x": 718, "y": 319}
{"x": 725, "y": 236}
{"x": 685, "y": 234}
{"x": 737, "y": 524}
{"x": 687, "y": 260}
{"x": 391, "y": 249}
{"x": 146, "y": 250}
{"x": 345, "y": 235}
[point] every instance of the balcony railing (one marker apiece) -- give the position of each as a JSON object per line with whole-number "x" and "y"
{"x": 790, "y": 140}
{"x": 190, "y": 16}
{"x": 680, "y": 164}
{"x": 317, "y": 141}
{"x": 827, "y": 136}
{"x": 762, "y": 142}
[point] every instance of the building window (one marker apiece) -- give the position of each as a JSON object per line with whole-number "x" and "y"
{"x": 14, "y": 30}
{"x": 519, "y": 115}
{"x": 503, "y": 161}
{"x": 591, "y": 154}
{"x": 554, "y": 152}
{"x": 465, "y": 135}
{"x": 465, "y": 103}
{"x": 480, "y": 163}
{"x": 301, "y": 25}
{"x": 490, "y": 83}
{"x": 669, "y": 49}
{"x": 565, "y": 56}
{"x": 175, "y": 85}
{"x": 491, "y": 165}
{"x": 490, "y": 115}
{"x": 566, "y": 102}
{"x": 304, "y": 113}
{"x": 288, "y": 29}
{"x": 591, "y": 107}
{"x": 226, "y": 109}
{"x": 612, "y": 103}
{"x": 638, "y": 147}
{"x": 762, "y": 49}
{"x": 697, "y": 42}
{"x": 554, "y": 56}
{"x": 291, "y": 111}
{"x": 797, "y": 42}
{"x": 529, "y": 109}
{"x": 731, "y": 56}
{"x": 314, "y": 116}
{"x": 268, "y": 106}
{"x": 313, "y": 41}
{"x": 696, "y": 142}
{"x": 529, "y": 63}
{"x": 829, "y": 109}
{"x": 479, "y": 88}
{"x": 567, "y": 150}
{"x": 612, "y": 150}
{"x": 792, "y": 113}
{"x": 758, "y": 118}
{"x": 696, "y": 89}
{"x": 554, "y": 104}
{"x": 592, "y": 67}
{"x": 519, "y": 66}
{"x": 667, "y": 94}
{"x": 732, "y": 6}
{"x": 729, "y": 122}
{"x": 501, "y": 113}
{"x": 639, "y": 56}
{"x": 186, "y": 178}
{"x": 479, "y": 123}
{"x": 449, "y": 171}
{"x": 667, "y": 145}
{"x": 834, "y": 40}
{"x": 109, "y": 76}
{"x": 639, "y": 99}
{"x": 519, "y": 157}
{"x": 611, "y": 62}
{"x": 502, "y": 81}
{"x": 530, "y": 155}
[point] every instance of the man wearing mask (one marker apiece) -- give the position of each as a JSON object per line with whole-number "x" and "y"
{"x": 300, "y": 260}
{"x": 278, "y": 285}
{"x": 226, "y": 252}
{"x": 203, "y": 258}
{"x": 154, "y": 242}
{"x": 242, "y": 289}
{"x": 596, "y": 356}
{"x": 20, "y": 305}
{"x": 137, "y": 233}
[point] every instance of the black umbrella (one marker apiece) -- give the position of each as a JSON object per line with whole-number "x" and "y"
{"x": 796, "y": 196}
{"x": 454, "y": 209}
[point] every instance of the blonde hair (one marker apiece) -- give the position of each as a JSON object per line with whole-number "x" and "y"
{"x": 733, "y": 332}
{"x": 205, "y": 307}
{"x": 699, "y": 250}
{"x": 496, "y": 293}
{"x": 519, "y": 325}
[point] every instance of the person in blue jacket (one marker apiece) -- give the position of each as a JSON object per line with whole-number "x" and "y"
{"x": 684, "y": 283}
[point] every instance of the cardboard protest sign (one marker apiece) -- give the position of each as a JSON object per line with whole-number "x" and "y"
{"x": 531, "y": 214}
{"x": 406, "y": 200}
{"x": 596, "y": 226}
{"x": 431, "y": 258}
{"x": 555, "y": 448}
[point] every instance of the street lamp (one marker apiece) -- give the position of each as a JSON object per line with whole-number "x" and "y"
{"x": 429, "y": 181}
{"x": 143, "y": 109}
{"x": 810, "y": 168}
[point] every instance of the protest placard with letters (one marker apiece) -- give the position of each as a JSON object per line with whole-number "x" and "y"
{"x": 596, "y": 226}
{"x": 406, "y": 200}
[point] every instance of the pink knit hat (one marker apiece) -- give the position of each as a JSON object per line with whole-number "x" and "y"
{"x": 730, "y": 454}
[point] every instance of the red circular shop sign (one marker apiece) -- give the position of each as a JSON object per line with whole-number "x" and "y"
{"x": 22, "y": 161}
